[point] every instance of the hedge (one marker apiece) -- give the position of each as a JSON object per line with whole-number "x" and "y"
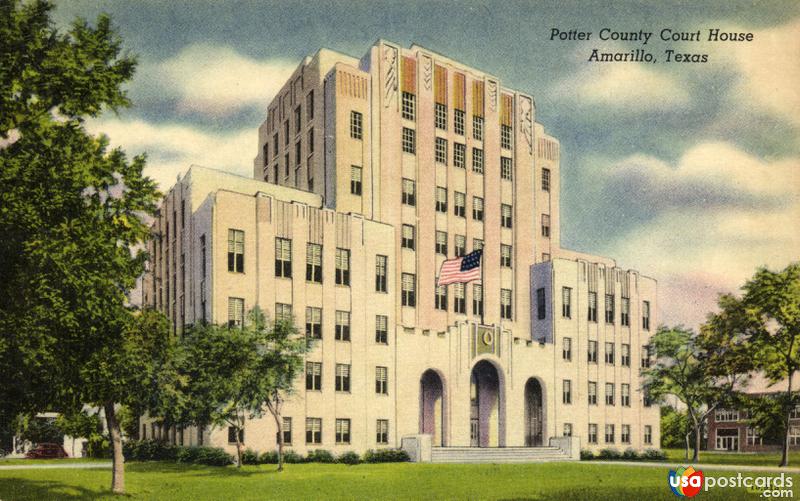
{"x": 156, "y": 450}
{"x": 627, "y": 455}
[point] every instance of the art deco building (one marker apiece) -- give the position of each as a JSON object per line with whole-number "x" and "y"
{"x": 369, "y": 174}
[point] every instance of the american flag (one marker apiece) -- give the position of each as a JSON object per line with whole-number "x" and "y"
{"x": 461, "y": 269}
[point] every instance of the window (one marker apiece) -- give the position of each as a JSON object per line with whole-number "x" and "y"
{"x": 460, "y": 300}
{"x": 645, "y": 356}
{"x": 283, "y": 312}
{"x": 460, "y": 204}
{"x": 541, "y": 306}
{"x": 566, "y": 391}
{"x": 382, "y": 380}
{"x": 477, "y": 299}
{"x": 625, "y": 395}
{"x": 286, "y": 163}
{"x": 592, "y": 316}
{"x": 545, "y": 179}
{"x": 610, "y": 353}
{"x": 506, "y": 170}
{"x": 440, "y": 116}
{"x": 625, "y": 312}
{"x": 609, "y": 393}
{"x": 409, "y": 141}
{"x": 310, "y": 105}
{"x": 297, "y": 154}
{"x": 609, "y": 308}
{"x": 236, "y": 251}
{"x": 381, "y": 329}
{"x": 546, "y": 225}
{"x": 566, "y": 302}
{"x": 625, "y": 434}
{"x": 505, "y": 255}
{"x": 232, "y": 435}
{"x": 726, "y": 415}
{"x": 297, "y": 117}
{"x": 567, "y": 430}
{"x": 310, "y": 141}
{"x": 313, "y": 430}
{"x": 275, "y": 147}
{"x": 505, "y": 136}
{"x": 477, "y": 244}
{"x": 441, "y": 199}
{"x": 342, "y": 326}
{"x": 505, "y": 304}
{"x": 314, "y": 263}
{"x": 505, "y": 216}
{"x": 409, "y": 106}
{"x": 648, "y": 434}
{"x": 343, "y": 267}
{"x": 286, "y": 428}
{"x": 459, "y": 155}
{"x": 265, "y": 153}
{"x": 203, "y": 256}
{"x": 343, "y": 377}
{"x": 646, "y": 315}
{"x": 458, "y": 122}
{"x": 409, "y": 290}
{"x": 460, "y": 245}
{"x": 380, "y": 273}
{"x": 441, "y": 297}
{"x": 592, "y": 352}
{"x": 313, "y": 322}
{"x": 409, "y": 192}
{"x": 408, "y": 237}
{"x": 441, "y": 243}
{"x": 283, "y": 257}
{"x": 795, "y": 412}
{"x": 286, "y": 132}
{"x": 592, "y": 393}
{"x": 752, "y": 436}
{"x": 355, "y": 180}
{"x": 314, "y": 376}
{"x": 356, "y": 125}
{"x": 609, "y": 433}
{"x": 382, "y": 431}
{"x": 477, "y": 127}
{"x": 235, "y": 312}
{"x": 794, "y": 435}
{"x": 477, "y": 208}
{"x": 592, "y": 433}
{"x": 625, "y": 355}
{"x": 566, "y": 349}
{"x": 183, "y": 213}
{"x": 441, "y": 150}
{"x": 477, "y": 160}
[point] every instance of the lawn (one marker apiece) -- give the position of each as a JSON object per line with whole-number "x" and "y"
{"x": 6, "y": 461}
{"x": 584, "y": 481}
{"x": 713, "y": 457}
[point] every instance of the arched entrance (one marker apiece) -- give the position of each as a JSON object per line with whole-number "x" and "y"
{"x": 486, "y": 416}
{"x": 534, "y": 414}
{"x": 431, "y": 416}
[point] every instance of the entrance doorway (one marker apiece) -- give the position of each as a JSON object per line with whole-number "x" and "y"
{"x": 534, "y": 414}
{"x": 431, "y": 416}
{"x": 486, "y": 419}
{"x": 727, "y": 439}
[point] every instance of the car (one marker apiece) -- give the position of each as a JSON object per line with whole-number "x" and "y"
{"x": 47, "y": 451}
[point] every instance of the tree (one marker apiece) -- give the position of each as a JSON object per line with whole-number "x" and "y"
{"x": 231, "y": 374}
{"x": 674, "y": 427}
{"x": 72, "y": 220}
{"x": 769, "y": 313}
{"x": 684, "y": 368}
{"x": 79, "y": 424}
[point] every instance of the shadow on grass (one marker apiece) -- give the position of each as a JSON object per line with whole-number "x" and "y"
{"x": 22, "y": 489}
{"x": 195, "y": 470}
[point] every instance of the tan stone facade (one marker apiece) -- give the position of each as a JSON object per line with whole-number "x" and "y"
{"x": 409, "y": 158}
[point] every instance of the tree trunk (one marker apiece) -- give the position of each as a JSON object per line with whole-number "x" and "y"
{"x": 785, "y": 452}
{"x": 275, "y": 410}
{"x": 73, "y": 447}
{"x": 686, "y": 439}
{"x": 118, "y": 460}
{"x": 698, "y": 437}
{"x": 238, "y": 448}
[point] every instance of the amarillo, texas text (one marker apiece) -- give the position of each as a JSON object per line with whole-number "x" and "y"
{"x": 670, "y": 35}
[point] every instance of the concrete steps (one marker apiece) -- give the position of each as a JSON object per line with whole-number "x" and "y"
{"x": 497, "y": 454}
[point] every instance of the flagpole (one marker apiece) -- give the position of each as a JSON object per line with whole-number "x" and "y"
{"x": 483, "y": 290}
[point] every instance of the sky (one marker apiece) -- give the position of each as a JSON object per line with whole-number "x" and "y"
{"x": 686, "y": 171}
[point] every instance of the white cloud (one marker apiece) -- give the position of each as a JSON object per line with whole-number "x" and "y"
{"x": 214, "y": 80}
{"x": 172, "y": 148}
{"x": 697, "y": 250}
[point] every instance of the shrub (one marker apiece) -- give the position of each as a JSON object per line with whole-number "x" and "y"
{"x": 320, "y": 456}
{"x": 155, "y": 450}
{"x": 290, "y": 457}
{"x": 630, "y": 454}
{"x": 249, "y": 456}
{"x": 609, "y": 454}
{"x": 653, "y": 455}
{"x": 269, "y": 457}
{"x": 386, "y": 456}
{"x": 586, "y": 454}
{"x": 349, "y": 458}
{"x": 98, "y": 447}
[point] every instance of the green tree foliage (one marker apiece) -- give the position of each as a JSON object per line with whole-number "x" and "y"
{"x": 79, "y": 424}
{"x": 72, "y": 218}
{"x": 227, "y": 375}
{"x": 675, "y": 427}
{"x": 38, "y": 430}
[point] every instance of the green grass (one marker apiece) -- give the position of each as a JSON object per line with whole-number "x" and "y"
{"x": 6, "y": 461}
{"x": 154, "y": 481}
{"x": 746, "y": 458}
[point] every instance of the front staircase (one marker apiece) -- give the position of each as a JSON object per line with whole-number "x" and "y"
{"x": 497, "y": 454}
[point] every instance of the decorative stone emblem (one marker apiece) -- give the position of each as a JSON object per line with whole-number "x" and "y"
{"x": 492, "y": 95}
{"x": 390, "y": 79}
{"x": 526, "y": 121}
{"x": 427, "y": 72}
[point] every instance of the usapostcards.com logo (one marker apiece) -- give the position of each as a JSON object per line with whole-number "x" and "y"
{"x": 685, "y": 482}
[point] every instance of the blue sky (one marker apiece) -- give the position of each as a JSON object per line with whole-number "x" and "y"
{"x": 687, "y": 172}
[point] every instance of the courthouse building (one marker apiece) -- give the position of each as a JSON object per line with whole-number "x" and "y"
{"x": 369, "y": 174}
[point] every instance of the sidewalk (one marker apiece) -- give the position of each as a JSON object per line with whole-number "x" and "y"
{"x": 55, "y": 466}
{"x": 702, "y": 466}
